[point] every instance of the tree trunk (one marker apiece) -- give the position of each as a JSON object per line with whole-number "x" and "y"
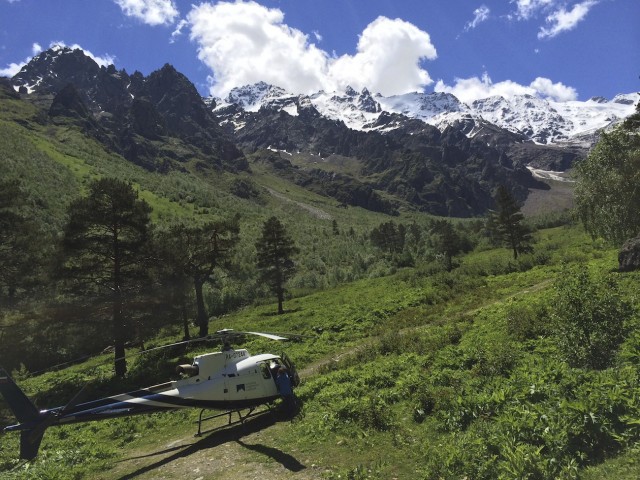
{"x": 202, "y": 317}
{"x": 185, "y": 320}
{"x": 280, "y": 291}
{"x": 119, "y": 335}
{"x": 280, "y": 301}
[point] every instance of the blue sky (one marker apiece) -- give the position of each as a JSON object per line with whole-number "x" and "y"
{"x": 558, "y": 49}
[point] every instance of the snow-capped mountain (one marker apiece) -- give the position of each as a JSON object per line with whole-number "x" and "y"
{"x": 542, "y": 121}
{"x": 428, "y": 150}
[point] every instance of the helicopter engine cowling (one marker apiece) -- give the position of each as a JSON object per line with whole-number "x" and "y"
{"x": 190, "y": 370}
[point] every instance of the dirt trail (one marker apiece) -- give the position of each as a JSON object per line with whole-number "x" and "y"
{"x": 314, "y": 211}
{"x": 248, "y": 451}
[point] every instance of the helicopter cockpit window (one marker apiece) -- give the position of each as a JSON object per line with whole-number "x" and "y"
{"x": 266, "y": 373}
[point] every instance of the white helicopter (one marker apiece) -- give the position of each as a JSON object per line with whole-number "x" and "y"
{"x": 230, "y": 380}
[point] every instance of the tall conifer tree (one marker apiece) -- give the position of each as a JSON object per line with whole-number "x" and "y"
{"x": 196, "y": 252}
{"x": 275, "y": 248}
{"x": 507, "y": 220}
{"x": 104, "y": 245}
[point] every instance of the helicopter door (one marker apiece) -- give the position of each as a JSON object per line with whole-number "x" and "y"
{"x": 293, "y": 373}
{"x": 233, "y": 388}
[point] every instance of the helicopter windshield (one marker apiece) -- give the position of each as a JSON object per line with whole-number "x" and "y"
{"x": 264, "y": 368}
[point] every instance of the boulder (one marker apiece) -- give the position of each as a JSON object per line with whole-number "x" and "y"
{"x": 629, "y": 255}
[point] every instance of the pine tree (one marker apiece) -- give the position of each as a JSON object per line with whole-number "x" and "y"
{"x": 445, "y": 241}
{"x": 507, "y": 223}
{"x": 275, "y": 248}
{"x": 104, "y": 247}
{"x": 196, "y": 252}
{"x": 389, "y": 237}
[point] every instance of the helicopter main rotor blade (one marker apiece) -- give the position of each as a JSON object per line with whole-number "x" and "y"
{"x": 230, "y": 332}
{"x": 270, "y": 336}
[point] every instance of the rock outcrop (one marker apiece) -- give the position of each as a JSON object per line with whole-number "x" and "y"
{"x": 629, "y": 255}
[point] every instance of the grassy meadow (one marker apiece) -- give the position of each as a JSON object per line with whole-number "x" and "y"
{"x": 412, "y": 375}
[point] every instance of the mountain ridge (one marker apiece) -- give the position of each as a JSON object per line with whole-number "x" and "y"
{"x": 543, "y": 121}
{"x": 134, "y": 115}
{"x": 448, "y": 166}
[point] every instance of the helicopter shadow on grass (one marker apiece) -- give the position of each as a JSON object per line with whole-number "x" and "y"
{"x": 218, "y": 438}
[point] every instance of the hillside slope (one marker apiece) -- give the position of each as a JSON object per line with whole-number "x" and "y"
{"x": 443, "y": 375}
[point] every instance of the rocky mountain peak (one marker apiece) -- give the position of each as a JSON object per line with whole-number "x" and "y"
{"x": 252, "y": 97}
{"x": 128, "y": 112}
{"x": 366, "y": 102}
{"x": 350, "y": 92}
{"x": 51, "y": 70}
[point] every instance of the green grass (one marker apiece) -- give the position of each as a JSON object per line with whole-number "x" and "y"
{"x": 407, "y": 373}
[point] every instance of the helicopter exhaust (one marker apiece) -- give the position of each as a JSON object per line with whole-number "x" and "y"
{"x": 189, "y": 370}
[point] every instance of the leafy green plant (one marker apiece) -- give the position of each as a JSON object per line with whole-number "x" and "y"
{"x": 590, "y": 317}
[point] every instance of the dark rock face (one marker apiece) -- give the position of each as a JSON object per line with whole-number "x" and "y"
{"x": 130, "y": 112}
{"x": 441, "y": 173}
{"x": 68, "y": 103}
{"x": 145, "y": 119}
{"x": 345, "y": 189}
{"x": 629, "y": 255}
{"x": 7, "y": 90}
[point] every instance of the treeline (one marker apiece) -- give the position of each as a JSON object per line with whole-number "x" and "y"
{"x": 112, "y": 277}
{"x": 443, "y": 239}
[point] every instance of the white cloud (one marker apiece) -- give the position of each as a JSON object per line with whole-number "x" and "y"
{"x": 244, "y": 42}
{"x": 13, "y": 68}
{"x": 151, "y": 12}
{"x": 178, "y": 30}
{"x": 387, "y": 59}
{"x": 560, "y": 16}
{"x": 555, "y": 91}
{"x": 526, "y": 9}
{"x": 563, "y": 20}
{"x": 480, "y": 14}
{"x": 470, "y": 89}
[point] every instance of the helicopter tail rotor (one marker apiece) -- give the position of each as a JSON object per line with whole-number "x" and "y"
{"x": 20, "y": 405}
{"x": 30, "y": 444}
{"x": 33, "y": 423}
{"x": 26, "y": 413}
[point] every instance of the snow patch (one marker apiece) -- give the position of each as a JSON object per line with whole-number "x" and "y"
{"x": 550, "y": 175}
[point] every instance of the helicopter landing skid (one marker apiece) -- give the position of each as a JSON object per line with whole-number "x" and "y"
{"x": 241, "y": 418}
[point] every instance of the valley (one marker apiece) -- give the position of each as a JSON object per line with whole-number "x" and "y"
{"x": 432, "y": 347}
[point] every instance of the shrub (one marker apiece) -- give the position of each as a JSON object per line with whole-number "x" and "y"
{"x": 526, "y": 322}
{"x": 590, "y": 316}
